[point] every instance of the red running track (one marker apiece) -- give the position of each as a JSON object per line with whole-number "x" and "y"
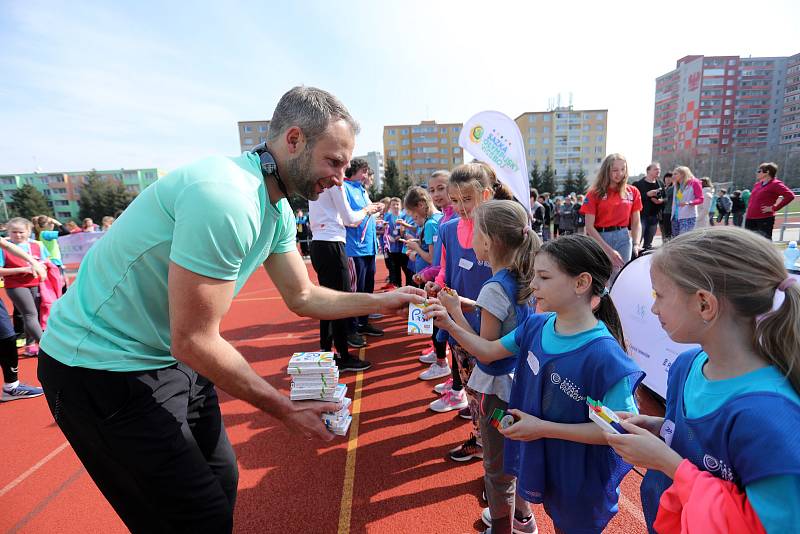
{"x": 389, "y": 475}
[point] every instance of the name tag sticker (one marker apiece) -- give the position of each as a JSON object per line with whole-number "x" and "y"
{"x": 465, "y": 264}
{"x": 533, "y": 362}
{"x": 435, "y": 238}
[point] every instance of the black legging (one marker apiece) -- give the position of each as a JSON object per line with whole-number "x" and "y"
{"x": 26, "y": 300}
{"x": 330, "y": 263}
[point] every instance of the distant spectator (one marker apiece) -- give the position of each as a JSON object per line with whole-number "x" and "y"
{"x": 106, "y": 223}
{"x": 738, "y": 208}
{"x": 705, "y": 211}
{"x": 666, "y": 211}
{"x": 73, "y": 227}
{"x": 559, "y": 203}
{"x": 303, "y": 232}
{"x": 566, "y": 217}
{"x": 549, "y": 209}
{"x": 537, "y": 212}
{"x": 88, "y": 225}
{"x": 652, "y": 203}
{"x": 687, "y": 196}
{"x": 769, "y": 195}
{"x": 724, "y": 206}
{"x": 580, "y": 218}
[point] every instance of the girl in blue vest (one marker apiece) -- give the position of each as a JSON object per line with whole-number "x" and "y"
{"x": 572, "y": 351}
{"x": 419, "y": 204}
{"x": 733, "y": 407}
{"x": 470, "y": 185}
{"x": 502, "y": 237}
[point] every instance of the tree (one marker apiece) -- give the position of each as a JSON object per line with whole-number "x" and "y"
{"x": 580, "y": 182}
{"x": 391, "y": 180}
{"x": 569, "y": 183}
{"x": 102, "y": 197}
{"x": 28, "y": 202}
{"x": 548, "y": 180}
{"x": 536, "y": 178}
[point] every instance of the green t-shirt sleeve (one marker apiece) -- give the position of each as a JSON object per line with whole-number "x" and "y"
{"x": 213, "y": 230}
{"x": 286, "y": 239}
{"x": 509, "y": 342}
{"x": 776, "y": 500}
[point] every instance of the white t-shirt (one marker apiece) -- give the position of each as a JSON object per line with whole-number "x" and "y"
{"x": 330, "y": 213}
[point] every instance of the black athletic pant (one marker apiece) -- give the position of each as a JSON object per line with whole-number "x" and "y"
{"x": 9, "y": 359}
{"x": 330, "y": 263}
{"x": 399, "y": 265}
{"x": 152, "y": 441}
{"x": 761, "y": 226}
{"x": 365, "y": 279}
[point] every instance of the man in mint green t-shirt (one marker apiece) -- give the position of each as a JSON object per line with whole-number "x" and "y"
{"x": 133, "y": 351}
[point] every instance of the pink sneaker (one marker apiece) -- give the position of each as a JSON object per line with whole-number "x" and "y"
{"x": 452, "y": 400}
{"x": 441, "y": 389}
{"x": 31, "y": 350}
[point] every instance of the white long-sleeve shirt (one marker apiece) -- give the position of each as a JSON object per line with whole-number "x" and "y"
{"x": 330, "y": 213}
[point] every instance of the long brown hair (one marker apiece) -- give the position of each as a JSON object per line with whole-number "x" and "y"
{"x": 743, "y": 270}
{"x": 505, "y": 223}
{"x": 480, "y": 176}
{"x": 603, "y": 180}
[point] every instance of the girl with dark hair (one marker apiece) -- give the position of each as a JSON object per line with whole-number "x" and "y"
{"x": 572, "y": 351}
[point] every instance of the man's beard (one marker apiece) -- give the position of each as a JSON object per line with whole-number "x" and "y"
{"x": 298, "y": 176}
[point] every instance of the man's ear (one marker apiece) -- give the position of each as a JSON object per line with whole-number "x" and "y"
{"x": 295, "y": 140}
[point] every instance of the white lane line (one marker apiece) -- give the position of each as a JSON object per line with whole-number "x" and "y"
{"x": 14, "y": 483}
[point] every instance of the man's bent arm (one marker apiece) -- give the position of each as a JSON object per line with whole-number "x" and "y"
{"x": 304, "y": 298}
{"x": 196, "y": 307}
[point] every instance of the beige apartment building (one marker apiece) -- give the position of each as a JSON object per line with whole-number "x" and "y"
{"x": 566, "y": 138}
{"x": 420, "y": 149}
{"x": 252, "y": 133}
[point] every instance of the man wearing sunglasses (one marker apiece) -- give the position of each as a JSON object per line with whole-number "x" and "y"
{"x": 769, "y": 195}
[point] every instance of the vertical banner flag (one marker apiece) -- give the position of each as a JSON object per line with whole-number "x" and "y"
{"x": 495, "y": 139}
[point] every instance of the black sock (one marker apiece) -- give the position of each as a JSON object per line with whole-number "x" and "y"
{"x": 9, "y": 359}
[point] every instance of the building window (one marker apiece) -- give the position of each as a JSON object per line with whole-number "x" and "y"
{"x": 406, "y": 152}
{"x": 392, "y": 142}
{"x": 443, "y": 151}
{"x": 404, "y": 142}
{"x": 601, "y": 116}
{"x": 404, "y": 131}
{"x": 262, "y": 128}
{"x": 392, "y": 131}
{"x": 599, "y": 139}
{"x": 599, "y": 127}
{"x": 456, "y": 150}
{"x": 443, "y": 140}
{"x": 393, "y": 153}
{"x": 532, "y": 141}
{"x": 545, "y": 129}
{"x": 248, "y": 129}
{"x": 248, "y": 140}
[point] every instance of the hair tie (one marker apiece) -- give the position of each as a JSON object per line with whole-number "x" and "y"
{"x": 604, "y": 292}
{"x": 525, "y": 230}
{"x": 788, "y": 282}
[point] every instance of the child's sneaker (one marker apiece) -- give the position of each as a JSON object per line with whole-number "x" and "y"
{"x": 465, "y": 413}
{"x": 31, "y": 350}
{"x": 22, "y": 391}
{"x": 428, "y": 357}
{"x": 468, "y": 450}
{"x": 435, "y": 371}
{"x": 441, "y": 389}
{"x": 451, "y": 400}
{"x": 519, "y": 526}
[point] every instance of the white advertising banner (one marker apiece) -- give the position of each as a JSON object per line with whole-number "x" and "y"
{"x": 648, "y": 343}
{"x": 74, "y": 246}
{"x": 495, "y": 139}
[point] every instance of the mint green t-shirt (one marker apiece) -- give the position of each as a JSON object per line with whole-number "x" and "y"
{"x": 212, "y": 217}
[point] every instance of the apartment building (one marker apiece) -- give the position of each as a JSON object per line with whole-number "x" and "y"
{"x": 375, "y": 161}
{"x": 566, "y": 138}
{"x": 715, "y": 104}
{"x": 420, "y": 149}
{"x": 63, "y": 189}
{"x": 252, "y": 133}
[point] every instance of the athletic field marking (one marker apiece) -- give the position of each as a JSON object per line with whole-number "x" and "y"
{"x": 345, "y": 510}
{"x": 631, "y": 508}
{"x": 44, "y": 502}
{"x": 265, "y": 338}
{"x": 14, "y": 483}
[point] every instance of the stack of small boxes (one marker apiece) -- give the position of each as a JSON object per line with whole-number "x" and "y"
{"x": 316, "y": 377}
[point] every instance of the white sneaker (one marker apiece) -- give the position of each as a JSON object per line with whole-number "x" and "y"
{"x": 518, "y": 526}
{"x": 429, "y": 357}
{"x": 435, "y": 371}
{"x": 452, "y": 400}
{"x": 444, "y": 387}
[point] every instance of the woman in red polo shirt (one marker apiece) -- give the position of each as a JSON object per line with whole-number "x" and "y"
{"x": 612, "y": 211}
{"x": 769, "y": 195}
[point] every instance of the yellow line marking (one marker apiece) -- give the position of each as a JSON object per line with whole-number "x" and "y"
{"x": 345, "y": 510}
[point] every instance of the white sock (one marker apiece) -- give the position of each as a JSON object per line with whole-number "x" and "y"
{"x": 9, "y": 386}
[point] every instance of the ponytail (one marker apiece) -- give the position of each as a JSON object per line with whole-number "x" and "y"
{"x": 522, "y": 263}
{"x": 777, "y": 335}
{"x": 607, "y": 312}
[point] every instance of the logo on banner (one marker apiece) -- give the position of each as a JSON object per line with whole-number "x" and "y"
{"x": 476, "y": 133}
{"x": 495, "y": 147}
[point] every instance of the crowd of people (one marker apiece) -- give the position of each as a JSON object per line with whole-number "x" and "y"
{"x": 523, "y": 323}
{"x": 505, "y": 284}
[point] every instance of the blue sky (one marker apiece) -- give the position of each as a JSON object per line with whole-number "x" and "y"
{"x": 143, "y": 84}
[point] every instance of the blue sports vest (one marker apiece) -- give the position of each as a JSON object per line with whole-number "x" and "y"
{"x": 463, "y": 272}
{"x": 361, "y": 240}
{"x": 391, "y": 220}
{"x": 752, "y": 436}
{"x": 508, "y": 282}
{"x": 576, "y": 482}
{"x": 419, "y": 262}
{"x": 437, "y": 241}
